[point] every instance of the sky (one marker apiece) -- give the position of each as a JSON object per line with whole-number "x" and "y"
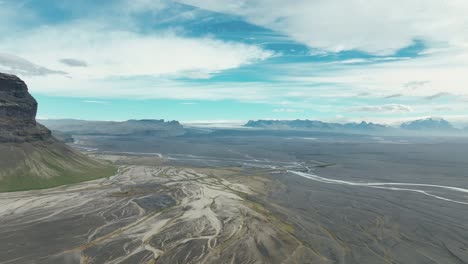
{"x": 235, "y": 60}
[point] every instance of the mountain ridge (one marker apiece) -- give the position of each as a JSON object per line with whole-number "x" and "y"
{"x": 428, "y": 123}
{"x": 427, "y": 126}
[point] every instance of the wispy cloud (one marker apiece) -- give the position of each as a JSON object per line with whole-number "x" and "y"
{"x": 443, "y": 108}
{"x": 320, "y": 25}
{"x": 388, "y": 108}
{"x": 437, "y": 95}
{"x": 415, "y": 84}
{"x": 17, "y": 65}
{"x": 363, "y": 94}
{"x": 95, "y": 102}
{"x": 393, "y": 96}
{"x": 287, "y": 110}
{"x": 74, "y": 62}
{"x": 369, "y": 60}
{"x": 110, "y": 52}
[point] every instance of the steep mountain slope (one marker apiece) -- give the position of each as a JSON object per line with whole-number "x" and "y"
{"x": 30, "y": 157}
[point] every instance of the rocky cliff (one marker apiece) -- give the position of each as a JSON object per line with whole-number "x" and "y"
{"x": 30, "y": 157}
{"x": 18, "y": 112}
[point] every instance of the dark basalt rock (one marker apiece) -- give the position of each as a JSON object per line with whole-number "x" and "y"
{"x": 18, "y": 112}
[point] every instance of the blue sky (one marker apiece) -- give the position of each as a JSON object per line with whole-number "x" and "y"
{"x": 219, "y": 60}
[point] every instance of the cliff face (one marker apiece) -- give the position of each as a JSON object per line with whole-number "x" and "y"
{"x": 30, "y": 158}
{"x": 18, "y": 112}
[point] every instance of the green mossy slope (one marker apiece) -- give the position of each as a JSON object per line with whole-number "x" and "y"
{"x": 40, "y": 165}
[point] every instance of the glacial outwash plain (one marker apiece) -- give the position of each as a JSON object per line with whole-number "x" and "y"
{"x": 239, "y": 206}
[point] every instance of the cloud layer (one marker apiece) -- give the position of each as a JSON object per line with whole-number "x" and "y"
{"x": 378, "y": 27}
{"x": 110, "y": 53}
{"x": 211, "y": 50}
{"x": 388, "y": 108}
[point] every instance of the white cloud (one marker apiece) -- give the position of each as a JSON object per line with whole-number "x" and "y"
{"x": 17, "y": 65}
{"x": 378, "y": 27}
{"x": 353, "y": 61}
{"x": 215, "y": 123}
{"x": 122, "y": 53}
{"x": 437, "y": 95}
{"x": 442, "y": 73}
{"x": 125, "y": 64}
{"x": 415, "y": 84}
{"x": 388, "y": 108}
{"x": 393, "y": 96}
{"x": 95, "y": 102}
{"x": 73, "y": 62}
{"x": 150, "y": 88}
{"x": 287, "y": 110}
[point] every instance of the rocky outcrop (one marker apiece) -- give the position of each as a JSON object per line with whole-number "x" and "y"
{"x": 18, "y": 112}
{"x": 30, "y": 157}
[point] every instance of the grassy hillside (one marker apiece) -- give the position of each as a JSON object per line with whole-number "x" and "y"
{"x": 39, "y": 165}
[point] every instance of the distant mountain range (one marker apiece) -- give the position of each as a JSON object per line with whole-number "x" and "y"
{"x": 64, "y": 129}
{"x": 313, "y": 125}
{"x": 158, "y": 128}
{"x": 429, "y": 126}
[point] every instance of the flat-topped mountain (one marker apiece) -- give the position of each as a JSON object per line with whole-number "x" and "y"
{"x": 30, "y": 157}
{"x": 146, "y": 127}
